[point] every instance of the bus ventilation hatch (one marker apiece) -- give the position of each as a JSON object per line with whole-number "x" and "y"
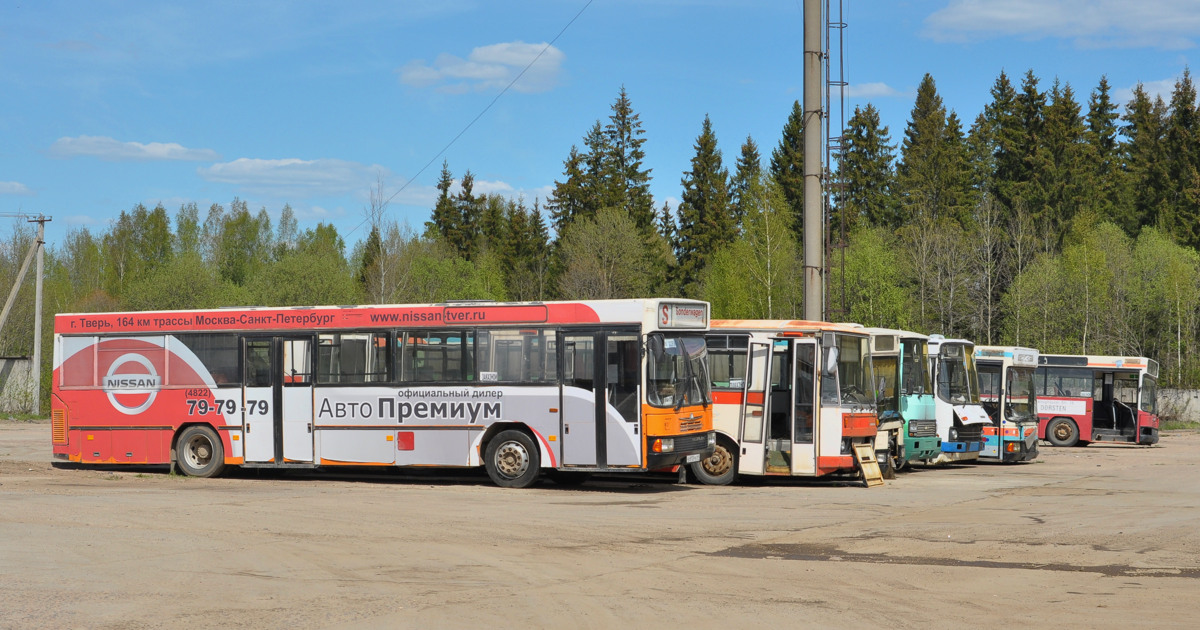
{"x": 58, "y": 426}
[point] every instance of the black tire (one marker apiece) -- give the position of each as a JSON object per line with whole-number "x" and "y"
{"x": 512, "y": 460}
{"x": 1062, "y": 432}
{"x": 199, "y": 452}
{"x": 887, "y": 465}
{"x": 568, "y": 478}
{"x": 720, "y": 468}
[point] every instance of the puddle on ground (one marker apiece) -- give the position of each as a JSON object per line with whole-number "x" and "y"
{"x": 825, "y": 553}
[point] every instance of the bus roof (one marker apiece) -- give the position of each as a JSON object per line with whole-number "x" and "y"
{"x": 903, "y": 334}
{"x": 1101, "y": 361}
{"x": 660, "y": 313}
{"x": 786, "y": 325}
{"x": 1017, "y": 355}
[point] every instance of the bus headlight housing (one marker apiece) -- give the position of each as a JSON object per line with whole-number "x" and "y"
{"x": 663, "y": 445}
{"x": 712, "y": 438}
{"x": 953, "y": 434}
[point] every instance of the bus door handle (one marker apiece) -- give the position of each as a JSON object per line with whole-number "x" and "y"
{"x": 566, "y": 429}
{"x": 247, "y": 427}
{"x": 310, "y": 427}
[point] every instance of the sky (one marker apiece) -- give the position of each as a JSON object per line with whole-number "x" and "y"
{"x": 109, "y": 104}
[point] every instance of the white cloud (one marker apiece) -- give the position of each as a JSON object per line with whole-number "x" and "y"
{"x": 871, "y": 90}
{"x": 488, "y": 68}
{"x": 294, "y": 178}
{"x": 1171, "y": 24}
{"x": 1161, "y": 88}
{"x": 485, "y": 187}
{"x": 116, "y": 151}
{"x": 14, "y": 188}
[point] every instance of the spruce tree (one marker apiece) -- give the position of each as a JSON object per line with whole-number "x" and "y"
{"x": 444, "y": 219}
{"x": 1145, "y": 166}
{"x": 932, "y": 176}
{"x": 1104, "y": 160}
{"x": 706, "y": 221}
{"x": 1061, "y": 178}
{"x": 865, "y": 174}
{"x": 569, "y": 197}
{"x": 787, "y": 166}
{"x": 1180, "y": 216}
{"x": 624, "y": 136}
{"x": 748, "y": 171}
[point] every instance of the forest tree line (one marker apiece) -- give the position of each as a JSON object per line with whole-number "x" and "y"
{"x": 1044, "y": 223}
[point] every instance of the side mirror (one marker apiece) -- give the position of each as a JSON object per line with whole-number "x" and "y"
{"x": 654, "y": 345}
{"x": 831, "y": 361}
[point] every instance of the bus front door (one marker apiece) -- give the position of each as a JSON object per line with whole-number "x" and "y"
{"x": 582, "y": 435}
{"x": 753, "y": 457}
{"x": 277, "y": 399}
{"x": 601, "y": 410}
{"x": 804, "y": 413}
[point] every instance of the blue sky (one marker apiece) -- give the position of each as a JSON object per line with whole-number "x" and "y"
{"x": 109, "y": 104}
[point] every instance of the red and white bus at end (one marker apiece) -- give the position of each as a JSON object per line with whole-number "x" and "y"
{"x": 1091, "y": 398}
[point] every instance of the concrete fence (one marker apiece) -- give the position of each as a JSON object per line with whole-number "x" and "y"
{"x": 16, "y": 384}
{"x": 1179, "y": 404}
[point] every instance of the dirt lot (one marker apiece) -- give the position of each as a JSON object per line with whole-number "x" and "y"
{"x": 1103, "y": 536}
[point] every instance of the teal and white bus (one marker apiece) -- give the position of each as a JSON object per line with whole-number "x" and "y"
{"x": 907, "y": 417}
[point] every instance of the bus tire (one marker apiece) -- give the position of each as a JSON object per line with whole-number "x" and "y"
{"x": 1062, "y": 432}
{"x": 199, "y": 452}
{"x": 720, "y": 468}
{"x": 512, "y": 460}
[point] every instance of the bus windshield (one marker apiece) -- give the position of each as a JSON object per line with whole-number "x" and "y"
{"x": 854, "y": 370}
{"x": 886, "y": 368}
{"x": 956, "y": 377}
{"x": 1148, "y": 401}
{"x": 1021, "y": 401}
{"x": 915, "y": 374}
{"x": 678, "y": 371}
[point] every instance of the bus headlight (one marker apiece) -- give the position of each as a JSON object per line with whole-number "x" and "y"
{"x": 953, "y": 434}
{"x": 663, "y": 445}
{"x": 712, "y": 438}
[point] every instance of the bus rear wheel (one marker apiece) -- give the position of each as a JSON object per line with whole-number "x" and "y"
{"x": 718, "y": 469}
{"x": 199, "y": 452}
{"x": 1062, "y": 432}
{"x": 512, "y": 460}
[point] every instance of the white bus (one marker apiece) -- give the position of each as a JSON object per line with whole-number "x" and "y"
{"x": 1007, "y": 393}
{"x": 791, "y": 398}
{"x": 960, "y": 415}
{"x": 518, "y": 388}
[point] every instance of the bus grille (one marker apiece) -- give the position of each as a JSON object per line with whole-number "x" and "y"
{"x": 687, "y": 443}
{"x": 58, "y": 426}
{"x": 970, "y": 433}
{"x": 922, "y": 428}
{"x": 687, "y": 426}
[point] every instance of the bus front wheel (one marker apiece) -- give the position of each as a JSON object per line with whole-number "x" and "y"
{"x": 199, "y": 452}
{"x": 718, "y": 469}
{"x": 512, "y": 460}
{"x": 1062, "y": 432}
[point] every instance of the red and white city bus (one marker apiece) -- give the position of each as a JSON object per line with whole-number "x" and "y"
{"x": 793, "y": 398}
{"x": 519, "y": 388}
{"x": 1084, "y": 399}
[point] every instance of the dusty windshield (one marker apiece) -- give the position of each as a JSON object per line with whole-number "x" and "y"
{"x": 677, "y": 371}
{"x": 1021, "y": 398}
{"x": 886, "y": 368}
{"x": 957, "y": 381}
{"x": 854, "y": 370}
{"x": 915, "y": 373}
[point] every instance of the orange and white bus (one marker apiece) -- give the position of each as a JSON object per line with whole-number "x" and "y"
{"x": 791, "y": 398}
{"x": 520, "y": 388}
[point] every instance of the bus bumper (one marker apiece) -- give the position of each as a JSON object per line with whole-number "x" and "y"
{"x": 1148, "y": 436}
{"x": 962, "y": 447}
{"x": 674, "y": 450}
{"x": 922, "y": 448}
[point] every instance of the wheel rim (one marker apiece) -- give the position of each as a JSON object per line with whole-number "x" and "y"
{"x": 719, "y": 463}
{"x": 1062, "y": 431}
{"x": 198, "y": 452}
{"x": 512, "y": 460}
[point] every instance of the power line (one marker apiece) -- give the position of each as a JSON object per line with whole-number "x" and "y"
{"x": 482, "y": 112}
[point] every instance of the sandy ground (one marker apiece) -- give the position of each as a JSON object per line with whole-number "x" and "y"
{"x": 1103, "y": 536}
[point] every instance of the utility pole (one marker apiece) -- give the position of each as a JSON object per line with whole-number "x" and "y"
{"x": 39, "y": 249}
{"x": 814, "y": 221}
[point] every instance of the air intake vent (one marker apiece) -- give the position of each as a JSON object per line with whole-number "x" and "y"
{"x": 58, "y": 426}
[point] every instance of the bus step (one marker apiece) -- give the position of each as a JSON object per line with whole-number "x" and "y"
{"x": 864, "y": 454}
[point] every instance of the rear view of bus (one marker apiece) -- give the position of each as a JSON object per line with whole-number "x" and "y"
{"x": 1006, "y": 389}
{"x": 1089, "y": 398}
{"x": 960, "y": 417}
{"x": 907, "y": 417}
{"x": 792, "y": 398}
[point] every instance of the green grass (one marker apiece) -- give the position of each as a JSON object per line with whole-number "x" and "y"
{"x": 1171, "y": 425}
{"x": 23, "y": 417}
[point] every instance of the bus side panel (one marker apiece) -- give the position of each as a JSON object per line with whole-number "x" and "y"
{"x": 1077, "y": 409}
